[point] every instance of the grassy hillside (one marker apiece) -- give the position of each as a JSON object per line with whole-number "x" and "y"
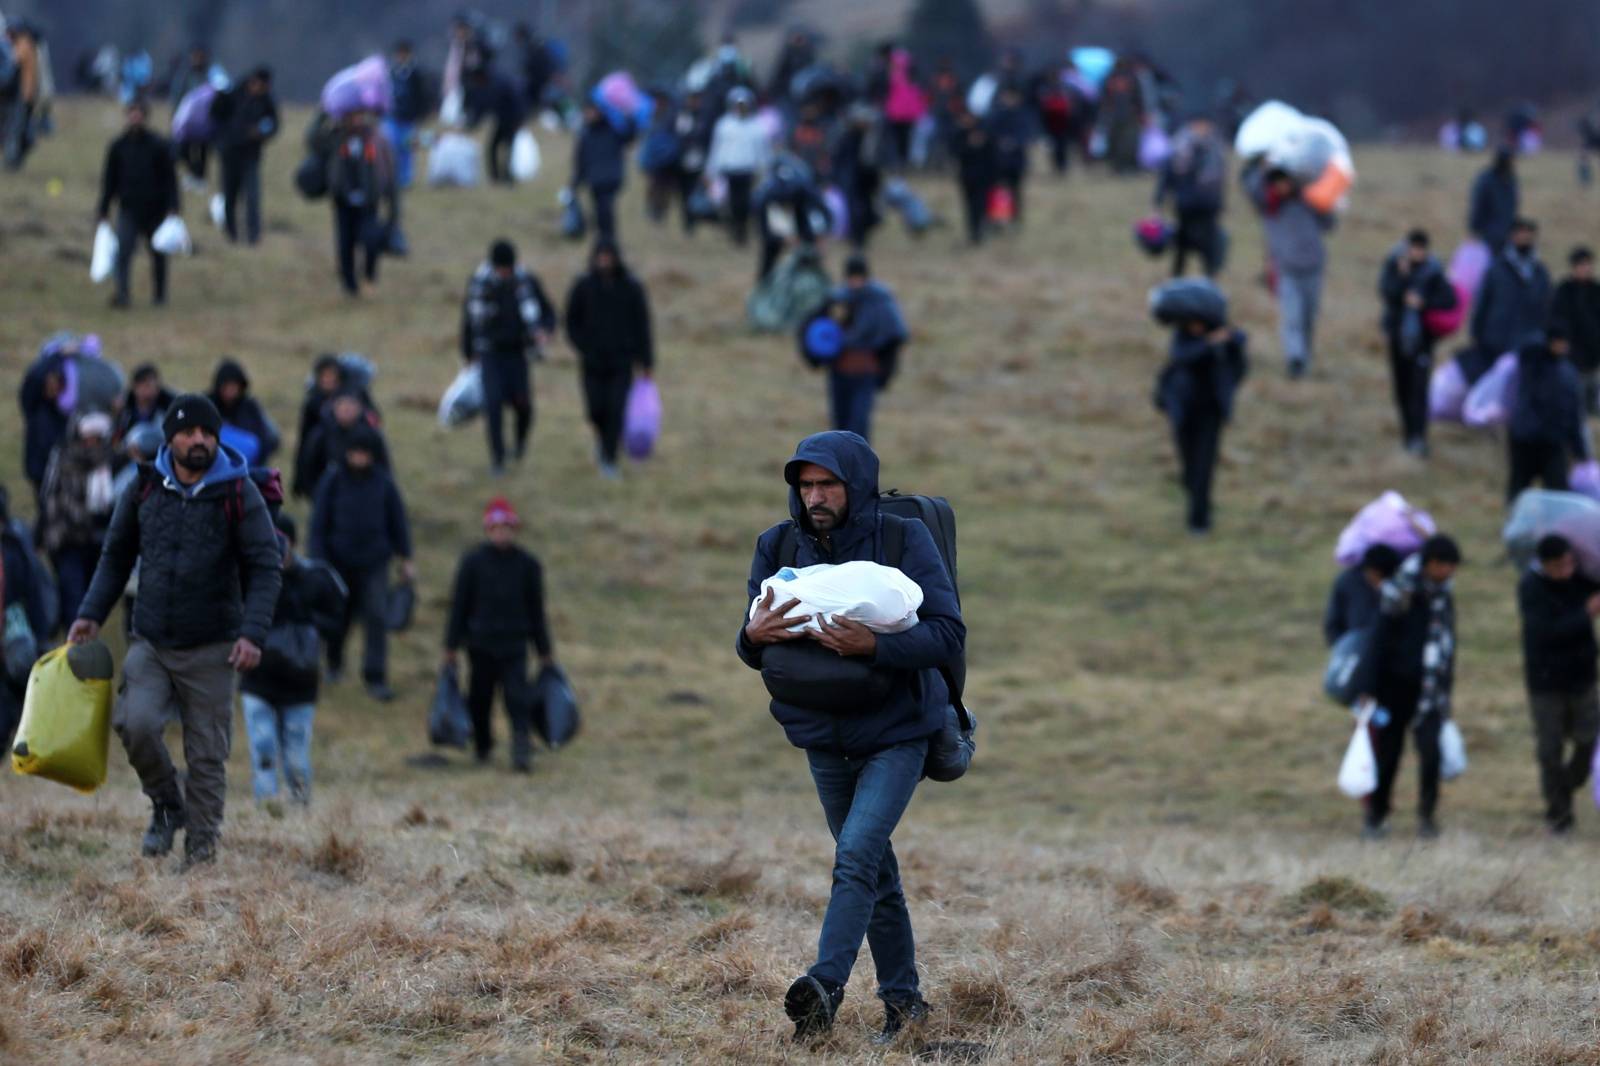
{"x": 1149, "y": 861}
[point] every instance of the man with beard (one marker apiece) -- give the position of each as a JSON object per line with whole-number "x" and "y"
{"x": 200, "y": 532}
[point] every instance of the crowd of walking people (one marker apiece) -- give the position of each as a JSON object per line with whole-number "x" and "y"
{"x": 174, "y": 504}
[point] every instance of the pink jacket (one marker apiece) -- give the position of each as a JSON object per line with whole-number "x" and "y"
{"x": 906, "y": 101}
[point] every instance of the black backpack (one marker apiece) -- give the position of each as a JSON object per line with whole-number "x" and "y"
{"x": 939, "y": 517}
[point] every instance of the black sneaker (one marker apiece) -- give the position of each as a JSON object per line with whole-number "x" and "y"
{"x": 165, "y": 822}
{"x": 898, "y": 1017}
{"x": 811, "y": 1005}
{"x": 1374, "y": 831}
{"x": 198, "y": 851}
{"x": 1427, "y": 829}
{"x": 380, "y": 692}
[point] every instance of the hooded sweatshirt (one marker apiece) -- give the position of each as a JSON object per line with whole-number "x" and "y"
{"x": 915, "y": 706}
{"x": 1549, "y": 402}
{"x": 244, "y": 415}
{"x": 608, "y": 318}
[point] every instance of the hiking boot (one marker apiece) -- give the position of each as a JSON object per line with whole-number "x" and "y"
{"x": 1427, "y": 829}
{"x": 898, "y": 1017}
{"x": 380, "y": 692}
{"x": 165, "y": 821}
{"x": 198, "y": 851}
{"x": 811, "y": 1005}
{"x": 1374, "y": 831}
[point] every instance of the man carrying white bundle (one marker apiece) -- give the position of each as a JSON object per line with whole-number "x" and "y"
{"x": 864, "y": 705}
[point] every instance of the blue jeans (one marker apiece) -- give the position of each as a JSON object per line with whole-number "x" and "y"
{"x": 279, "y": 736}
{"x": 852, "y": 396}
{"x": 399, "y": 134}
{"x": 863, "y": 798}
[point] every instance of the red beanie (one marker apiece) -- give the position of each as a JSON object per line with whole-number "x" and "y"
{"x": 500, "y": 513}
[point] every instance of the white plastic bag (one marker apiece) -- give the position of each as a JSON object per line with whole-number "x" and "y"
{"x": 172, "y": 237}
{"x": 451, "y": 107}
{"x": 1452, "y": 751}
{"x": 463, "y": 400}
{"x": 219, "y": 210}
{"x": 454, "y": 160}
{"x": 103, "y": 260}
{"x": 1358, "y": 773}
{"x": 524, "y": 157}
{"x": 882, "y": 598}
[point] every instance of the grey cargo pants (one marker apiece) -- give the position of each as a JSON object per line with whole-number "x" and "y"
{"x": 199, "y": 683}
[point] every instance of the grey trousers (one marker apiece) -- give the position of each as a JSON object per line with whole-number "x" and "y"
{"x": 1299, "y": 297}
{"x": 199, "y": 683}
{"x": 1565, "y": 725}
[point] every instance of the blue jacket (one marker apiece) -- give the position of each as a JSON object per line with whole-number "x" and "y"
{"x": 917, "y": 701}
{"x": 1513, "y": 304}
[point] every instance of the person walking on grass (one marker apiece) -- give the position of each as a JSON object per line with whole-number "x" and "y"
{"x": 140, "y": 176}
{"x": 1412, "y": 283}
{"x": 865, "y": 765}
{"x": 1206, "y": 364}
{"x": 245, "y": 422}
{"x": 359, "y": 527}
{"x": 600, "y": 161}
{"x": 1195, "y": 177}
{"x": 506, "y": 319}
{"x": 496, "y": 611}
{"x": 1414, "y": 648}
{"x": 199, "y": 530}
{"x": 869, "y": 353}
{"x": 1512, "y": 307}
{"x": 1576, "y": 310}
{"x": 279, "y": 697}
{"x": 1496, "y": 198}
{"x": 20, "y": 592}
{"x": 1355, "y": 597}
{"x": 247, "y": 118}
{"x": 608, "y": 322}
{"x": 1547, "y": 433}
{"x": 75, "y": 505}
{"x": 361, "y": 178}
{"x": 1299, "y": 257}
{"x": 741, "y": 151}
{"x": 1558, "y": 607}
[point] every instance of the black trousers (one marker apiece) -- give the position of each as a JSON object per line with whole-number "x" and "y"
{"x": 1399, "y": 697}
{"x": 740, "y": 186}
{"x": 1538, "y": 461}
{"x": 1198, "y": 233}
{"x": 509, "y": 674}
{"x": 12, "y": 693}
{"x": 500, "y": 152}
{"x": 605, "y": 392}
{"x": 368, "y": 600}
{"x": 241, "y": 175}
{"x": 506, "y": 381}
{"x": 1565, "y": 725}
{"x": 354, "y": 226}
{"x": 131, "y": 229}
{"x": 193, "y": 155}
{"x": 975, "y": 203}
{"x": 1198, "y": 435}
{"x": 605, "y": 210}
{"x": 1410, "y": 375}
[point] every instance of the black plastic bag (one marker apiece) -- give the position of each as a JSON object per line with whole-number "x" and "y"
{"x": 1182, "y": 299}
{"x": 555, "y": 707}
{"x": 311, "y": 177}
{"x": 951, "y": 749}
{"x": 401, "y": 606}
{"x": 449, "y": 724}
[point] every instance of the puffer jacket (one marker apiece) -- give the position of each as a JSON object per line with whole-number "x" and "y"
{"x": 915, "y": 706}
{"x": 207, "y": 554}
{"x": 312, "y": 595}
{"x": 1549, "y": 402}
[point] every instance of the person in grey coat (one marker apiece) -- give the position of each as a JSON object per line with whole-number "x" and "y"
{"x": 1294, "y": 241}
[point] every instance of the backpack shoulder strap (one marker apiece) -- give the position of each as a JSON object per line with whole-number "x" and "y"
{"x": 894, "y": 552}
{"x": 789, "y": 546}
{"x": 148, "y": 479}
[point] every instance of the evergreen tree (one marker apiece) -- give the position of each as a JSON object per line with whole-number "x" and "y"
{"x": 954, "y": 28}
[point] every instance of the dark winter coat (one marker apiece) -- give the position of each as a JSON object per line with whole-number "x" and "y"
{"x": 1512, "y": 307}
{"x": 130, "y": 415}
{"x": 245, "y": 413}
{"x": 497, "y": 605}
{"x": 1576, "y": 308}
{"x": 608, "y": 321}
{"x": 311, "y": 594}
{"x": 918, "y": 700}
{"x": 1558, "y": 643}
{"x": 141, "y": 176}
{"x": 1195, "y": 176}
{"x": 1495, "y": 202}
{"x": 20, "y": 586}
{"x": 599, "y": 159}
{"x": 977, "y": 160}
{"x": 44, "y": 421}
{"x": 209, "y": 564}
{"x": 499, "y": 316}
{"x": 1011, "y": 130}
{"x": 500, "y": 97}
{"x": 358, "y": 521}
{"x": 410, "y": 92}
{"x": 326, "y": 445}
{"x": 245, "y": 122}
{"x": 1352, "y": 604}
{"x": 1549, "y": 402}
{"x": 65, "y": 518}
{"x": 1202, "y": 375}
{"x": 1427, "y": 280}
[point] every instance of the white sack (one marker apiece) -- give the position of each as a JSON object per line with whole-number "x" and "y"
{"x": 879, "y": 597}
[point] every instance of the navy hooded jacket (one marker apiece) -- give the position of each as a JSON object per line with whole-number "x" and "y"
{"x": 917, "y": 701}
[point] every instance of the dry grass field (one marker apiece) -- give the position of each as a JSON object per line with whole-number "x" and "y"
{"x": 1149, "y": 862}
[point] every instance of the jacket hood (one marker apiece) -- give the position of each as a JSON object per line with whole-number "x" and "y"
{"x": 605, "y": 244}
{"x": 849, "y": 456}
{"x": 229, "y": 465}
{"x": 230, "y": 370}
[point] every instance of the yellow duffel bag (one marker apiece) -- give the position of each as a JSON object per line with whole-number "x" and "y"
{"x": 66, "y": 718}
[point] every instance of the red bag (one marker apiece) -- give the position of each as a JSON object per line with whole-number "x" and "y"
{"x": 1002, "y": 205}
